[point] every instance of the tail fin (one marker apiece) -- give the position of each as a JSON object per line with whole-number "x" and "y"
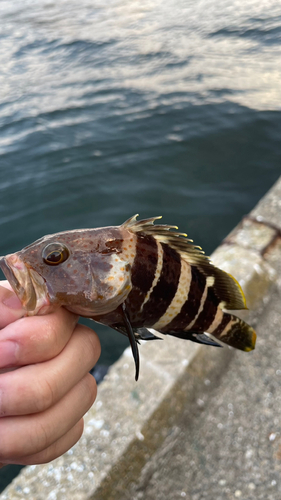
{"x": 235, "y": 332}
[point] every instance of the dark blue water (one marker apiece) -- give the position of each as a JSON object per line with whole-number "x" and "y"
{"x": 113, "y": 108}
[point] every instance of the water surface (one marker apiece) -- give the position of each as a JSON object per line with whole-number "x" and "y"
{"x": 113, "y": 108}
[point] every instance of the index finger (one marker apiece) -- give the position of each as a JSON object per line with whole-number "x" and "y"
{"x": 36, "y": 339}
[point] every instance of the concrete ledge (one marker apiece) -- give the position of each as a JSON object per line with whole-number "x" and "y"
{"x": 130, "y": 420}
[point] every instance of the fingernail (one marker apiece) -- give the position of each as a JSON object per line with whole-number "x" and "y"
{"x": 8, "y": 353}
{"x": 12, "y": 301}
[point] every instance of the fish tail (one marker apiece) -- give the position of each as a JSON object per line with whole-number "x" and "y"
{"x": 235, "y": 332}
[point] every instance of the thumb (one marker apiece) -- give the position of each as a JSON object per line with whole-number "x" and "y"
{"x": 10, "y": 306}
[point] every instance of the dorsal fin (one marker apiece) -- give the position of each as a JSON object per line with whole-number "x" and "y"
{"x": 225, "y": 286}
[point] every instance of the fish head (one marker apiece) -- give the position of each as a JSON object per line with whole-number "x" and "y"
{"x": 81, "y": 270}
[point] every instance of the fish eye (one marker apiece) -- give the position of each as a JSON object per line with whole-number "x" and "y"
{"x": 55, "y": 253}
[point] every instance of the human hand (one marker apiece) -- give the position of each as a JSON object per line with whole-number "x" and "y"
{"x": 42, "y": 402}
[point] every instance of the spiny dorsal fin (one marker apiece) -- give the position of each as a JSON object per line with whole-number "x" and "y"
{"x": 225, "y": 286}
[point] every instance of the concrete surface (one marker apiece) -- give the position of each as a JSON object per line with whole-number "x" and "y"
{"x": 201, "y": 422}
{"x": 231, "y": 448}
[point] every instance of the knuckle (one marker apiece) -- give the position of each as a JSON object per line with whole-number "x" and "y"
{"x": 4, "y": 404}
{"x": 13, "y": 444}
{"x": 40, "y": 396}
{"x": 97, "y": 346}
{"x": 80, "y": 427}
{"x": 26, "y": 394}
{"x": 90, "y": 388}
{"x": 91, "y": 344}
{"x": 43, "y": 339}
{"x": 26, "y": 398}
{"x": 40, "y": 438}
{"x": 37, "y": 438}
{"x": 46, "y": 396}
{"x": 50, "y": 453}
{"x": 5, "y": 449}
{"x": 50, "y": 331}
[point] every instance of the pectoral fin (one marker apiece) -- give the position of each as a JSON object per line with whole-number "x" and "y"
{"x": 132, "y": 340}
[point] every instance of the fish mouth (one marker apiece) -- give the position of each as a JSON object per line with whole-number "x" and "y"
{"x": 28, "y": 285}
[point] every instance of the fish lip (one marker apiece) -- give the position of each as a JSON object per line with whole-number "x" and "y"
{"x": 26, "y": 283}
{"x": 9, "y": 275}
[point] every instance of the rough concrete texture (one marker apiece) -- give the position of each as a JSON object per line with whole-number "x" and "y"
{"x": 254, "y": 274}
{"x": 232, "y": 446}
{"x": 201, "y": 422}
{"x": 269, "y": 207}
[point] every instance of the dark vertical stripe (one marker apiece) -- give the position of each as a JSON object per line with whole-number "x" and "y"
{"x": 143, "y": 273}
{"x": 191, "y": 306}
{"x": 240, "y": 335}
{"x": 208, "y": 313}
{"x": 220, "y": 328}
{"x": 166, "y": 287}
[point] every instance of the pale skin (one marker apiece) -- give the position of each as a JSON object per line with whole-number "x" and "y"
{"x": 43, "y": 400}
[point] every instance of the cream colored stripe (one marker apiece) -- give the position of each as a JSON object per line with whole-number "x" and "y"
{"x": 179, "y": 298}
{"x": 129, "y": 247}
{"x": 157, "y": 272}
{"x": 203, "y": 298}
{"x": 217, "y": 320}
{"x": 228, "y": 327}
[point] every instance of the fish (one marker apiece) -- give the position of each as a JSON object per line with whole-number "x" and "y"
{"x": 143, "y": 279}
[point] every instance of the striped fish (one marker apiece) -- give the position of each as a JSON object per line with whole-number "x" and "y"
{"x": 139, "y": 278}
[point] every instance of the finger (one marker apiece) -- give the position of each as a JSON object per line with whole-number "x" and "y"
{"x": 6, "y": 284}
{"x": 31, "y": 434}
{"x": 55, "y": 450}
{"x": 34, "y": 388}
{"x": 10, "y": 306}
{"x": 35, "y": 339}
